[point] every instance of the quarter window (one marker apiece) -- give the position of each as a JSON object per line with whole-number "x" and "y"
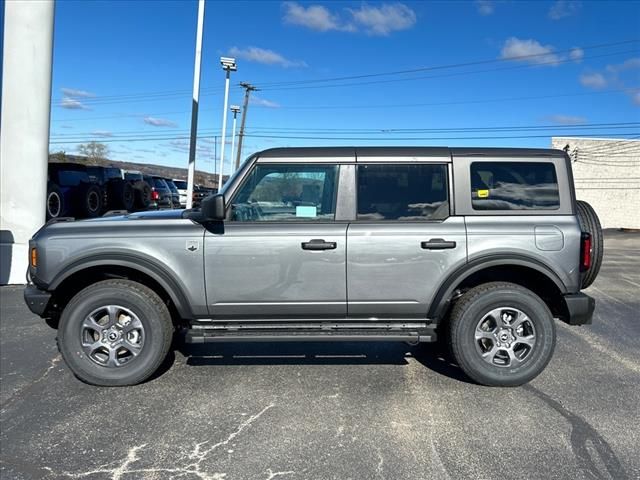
{"x": 274, "y": 193}
{"x": 514, "y": 186}
{"x": 402, "y": 192}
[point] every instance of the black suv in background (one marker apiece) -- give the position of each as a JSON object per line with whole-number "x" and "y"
{"x": 72, "y": 191}
{"x": 160, "y": 192}
{"x": 175, "y": 194}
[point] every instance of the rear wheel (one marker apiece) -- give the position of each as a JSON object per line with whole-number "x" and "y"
{"x": 115, "y": 333}
{"x": 90, "y": 200}
{"x": 501, "y": 334}
{"x": 55, "y": 202}
{"x": 590, "y": 223}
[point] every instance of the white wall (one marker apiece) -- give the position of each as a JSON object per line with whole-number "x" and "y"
{"x": 607, "y": 175}
{"x": 24, "y": 130}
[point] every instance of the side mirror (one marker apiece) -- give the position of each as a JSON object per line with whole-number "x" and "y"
{"x": 213, "y": 208}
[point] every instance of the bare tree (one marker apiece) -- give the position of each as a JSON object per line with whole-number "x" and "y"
{"x": 94, "y": 151}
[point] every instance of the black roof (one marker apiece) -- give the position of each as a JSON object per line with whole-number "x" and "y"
{"x": 406, "y": 152}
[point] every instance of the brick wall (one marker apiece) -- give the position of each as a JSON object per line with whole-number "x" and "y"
{"x": 607, "y": 175}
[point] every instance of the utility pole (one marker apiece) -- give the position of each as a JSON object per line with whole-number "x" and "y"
{"x": 228, "y": 65}
{"x": 248, "y": 88}
{"x": 235, "y": 109}
{"x": 194, "y": 105}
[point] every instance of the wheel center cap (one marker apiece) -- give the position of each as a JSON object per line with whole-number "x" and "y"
{"x": 504, "y": 337}
{"x": 113, "y": 335}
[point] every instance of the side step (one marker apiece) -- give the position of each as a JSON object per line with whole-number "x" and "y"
{"x": 309, "y": 333}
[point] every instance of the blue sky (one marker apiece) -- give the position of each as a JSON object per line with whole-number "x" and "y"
{"x": 123, "y": 73}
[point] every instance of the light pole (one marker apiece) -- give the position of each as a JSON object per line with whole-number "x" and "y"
{"x": 228, "y": 65}
{"x": 248, "y": 88}
{"x": 194, "y": 105}
{"x": 235, "y": 109}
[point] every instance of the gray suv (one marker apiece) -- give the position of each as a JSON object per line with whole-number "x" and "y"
{"x": 482, "y": 248}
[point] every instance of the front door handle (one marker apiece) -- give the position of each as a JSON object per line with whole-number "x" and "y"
{"x": 318, "y": 244}
{"x": 438, "y": 244}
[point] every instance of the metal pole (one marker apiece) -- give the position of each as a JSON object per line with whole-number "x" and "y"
{"x": 224, "y": 128}
{"x": 194, "y": 105}
{"x": 233, "y": 136}
{"x": 248, "y": 89}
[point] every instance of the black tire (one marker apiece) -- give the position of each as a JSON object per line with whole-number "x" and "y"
{"x": 142, "y": 195}
{"x": 149, "y": 309}
{"x": 590, "y": 223}
{"x": 54, "y": 206}
{"x": 467, "y": 316}
{"x": 121, "y": 195}
{"x": 90, "y": 200}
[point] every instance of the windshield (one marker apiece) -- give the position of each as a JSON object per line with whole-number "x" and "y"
{"x": 159, "y": 183}
{"x": 181, "y": 184}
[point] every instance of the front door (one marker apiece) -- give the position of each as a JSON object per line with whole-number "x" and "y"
{"x": 404, "y": 240}
{"x": 280, "y": 254}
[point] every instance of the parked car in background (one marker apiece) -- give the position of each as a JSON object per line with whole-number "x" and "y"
{"x": 160, "y": 193}
{"x": 181, "y": 185}
{"x": 200, "y": 193}
{"x": 141, "y": 189}
{"x": 72, "y": 192}
{"x": 118, "y": 192}
{"x": 175, "y": 194}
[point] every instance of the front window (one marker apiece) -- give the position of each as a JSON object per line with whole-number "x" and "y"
{"x": 402, "y": 192}
{"x": 274, "y": 193}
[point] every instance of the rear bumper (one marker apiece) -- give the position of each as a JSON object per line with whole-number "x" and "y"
{"x": 36, "y": 299}
{"x": 580, "y": 308}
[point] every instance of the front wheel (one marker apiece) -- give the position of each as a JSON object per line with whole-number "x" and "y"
{"x": 502, "y": 334}
{"x": 115, "y": 333}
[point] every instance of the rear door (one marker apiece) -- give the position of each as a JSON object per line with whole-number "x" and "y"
{"x": 404, "y": 240}
{"x": 281, "y": 254}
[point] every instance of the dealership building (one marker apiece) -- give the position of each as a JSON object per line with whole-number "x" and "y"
{"x": 607, "y": 175}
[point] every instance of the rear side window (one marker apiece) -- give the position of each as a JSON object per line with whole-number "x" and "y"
{"x": 514, "y": 186}
{"x": 402, "y": 192}
{"x": 159, "y": 183}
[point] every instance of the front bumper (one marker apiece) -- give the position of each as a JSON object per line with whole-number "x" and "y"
{"x": 580, "y": 308}
{"x": 36, "y": 299}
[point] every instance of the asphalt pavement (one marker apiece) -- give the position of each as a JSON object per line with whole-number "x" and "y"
{"x": 332, "y": 411}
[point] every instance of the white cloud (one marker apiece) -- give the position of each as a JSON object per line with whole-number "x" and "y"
{"x": 315, "y": 17}
{"x": 576, "y": 54}
{"x": 485, "y": 7}
{"x": 102, "y": 133}
{"x": 72, "y": 92}
{"x": 378, "y": 20}
{"x": 564, "y": 8}
{"x": 72, "y": 104}
{"x": 631, "y": 64}
{"x": 262, "y": 55}
{"x": 384, "y": 19}
{"x": 566, "y": 119}
{"x": 261, "y": 102}
{"x": 593, "y": 80}
{"x": 159, "y": 122}
{"x": 529, "y": 51}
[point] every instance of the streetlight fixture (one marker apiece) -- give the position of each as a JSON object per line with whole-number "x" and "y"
{"x": 234, "y": 109}
{"x": 228, "y": 65}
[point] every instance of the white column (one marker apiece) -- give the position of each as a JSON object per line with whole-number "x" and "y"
{"x": 233, "y": 139}
{"x": 24, "y": 130}
{"x": 224, "y": 128}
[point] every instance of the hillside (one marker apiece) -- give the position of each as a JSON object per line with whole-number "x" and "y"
{"x": 201, "y": 178}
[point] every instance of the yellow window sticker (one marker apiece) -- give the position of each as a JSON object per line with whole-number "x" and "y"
{"x": 483, "y": 193}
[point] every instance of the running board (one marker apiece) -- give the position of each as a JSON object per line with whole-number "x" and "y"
{"x": 413, "y": 333}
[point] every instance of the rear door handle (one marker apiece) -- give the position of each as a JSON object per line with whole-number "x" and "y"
{"x": 318, "y": 244}
{"x": 438, "y": 244}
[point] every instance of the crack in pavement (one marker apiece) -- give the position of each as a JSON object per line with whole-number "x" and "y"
{"x": 581, "y": 434}
{"x": 197, "y": 455}
{"x": 15, "y": 395}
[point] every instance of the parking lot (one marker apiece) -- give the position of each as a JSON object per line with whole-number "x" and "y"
{"x": 323, "y": 411}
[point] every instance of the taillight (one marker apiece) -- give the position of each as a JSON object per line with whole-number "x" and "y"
{"x": 585, "y": 252}
{"x": 155, "y": 195}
